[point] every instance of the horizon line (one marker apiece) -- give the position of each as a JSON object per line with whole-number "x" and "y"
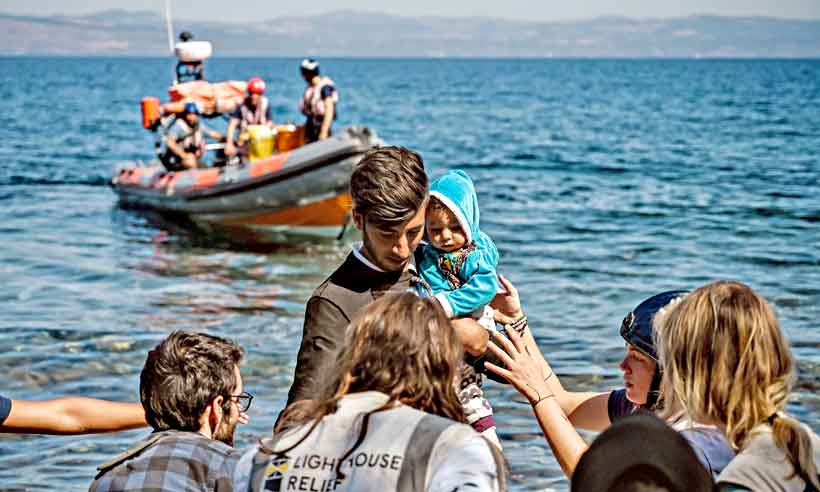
{"x": 568, "y": 20}
{"x": 428, "y": 58}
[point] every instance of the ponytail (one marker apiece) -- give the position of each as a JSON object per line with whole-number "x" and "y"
{"x": 790, "y": 436}
{"x": 726, "y": 360}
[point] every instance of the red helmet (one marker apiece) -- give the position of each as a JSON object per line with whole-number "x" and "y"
{"x": 256, "y": 86}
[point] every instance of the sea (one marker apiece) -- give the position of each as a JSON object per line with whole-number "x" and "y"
{"x": 602, "y": 182}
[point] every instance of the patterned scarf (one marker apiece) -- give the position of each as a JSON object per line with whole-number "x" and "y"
{"x": 450, "y": 264}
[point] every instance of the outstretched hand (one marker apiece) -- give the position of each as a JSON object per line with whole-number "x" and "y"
{"x": 506, "y": 305}
{"x": 525, "y": 366}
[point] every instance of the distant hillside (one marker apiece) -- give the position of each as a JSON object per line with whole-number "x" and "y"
{"x": 350, "y": 33}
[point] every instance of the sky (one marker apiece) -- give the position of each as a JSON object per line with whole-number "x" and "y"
{"x": 532, "y": 10}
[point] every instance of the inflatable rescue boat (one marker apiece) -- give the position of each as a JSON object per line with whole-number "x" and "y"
{"x": 301, "y": 192}
{"x": 278, "y": 189}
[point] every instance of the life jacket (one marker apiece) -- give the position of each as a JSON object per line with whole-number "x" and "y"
{"x": 312, "y": 105}
{"x": 192, "y": 140}
{"x": 256, "y": 117}
{"x": 188, "y": 71}
{"x": 189, "y": 138}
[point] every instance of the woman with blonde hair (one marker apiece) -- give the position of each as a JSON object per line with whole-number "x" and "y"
{"x": 388, "y": 419}
{"x": 726, "y": 361}
{"x": 559, "y": 411}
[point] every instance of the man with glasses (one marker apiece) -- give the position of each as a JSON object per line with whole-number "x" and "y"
{"x": 193, "y": 397}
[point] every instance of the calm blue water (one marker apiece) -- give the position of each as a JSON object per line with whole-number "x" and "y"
{"x": 602, "y": 182}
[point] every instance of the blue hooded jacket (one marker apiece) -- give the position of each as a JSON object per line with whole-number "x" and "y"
{"x": 477, "y": 274}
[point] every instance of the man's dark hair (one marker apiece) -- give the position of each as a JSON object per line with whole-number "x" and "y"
{"x": 183, "y": 374}
{"x": 388, "y": 186}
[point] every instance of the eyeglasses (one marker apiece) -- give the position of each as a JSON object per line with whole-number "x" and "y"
{"x": 243, "y": 401}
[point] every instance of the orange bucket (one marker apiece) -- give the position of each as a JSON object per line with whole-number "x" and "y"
{"x": 289, "y": 137}
{"x": 150, "y": 111}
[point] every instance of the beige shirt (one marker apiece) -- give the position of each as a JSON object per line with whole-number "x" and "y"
{"x": 762, "y": 466}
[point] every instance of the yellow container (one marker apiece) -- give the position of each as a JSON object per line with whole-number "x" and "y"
{"x": 260, "y": 142}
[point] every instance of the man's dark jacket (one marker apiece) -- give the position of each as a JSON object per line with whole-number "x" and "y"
{"x": 329, "y": 311}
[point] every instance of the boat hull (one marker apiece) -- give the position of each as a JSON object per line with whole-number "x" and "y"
{"x": 302, "y": 192}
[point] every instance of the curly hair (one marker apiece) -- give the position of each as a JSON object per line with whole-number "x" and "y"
{"x": 401, "y": 345}
{"x": 183, "y": 374}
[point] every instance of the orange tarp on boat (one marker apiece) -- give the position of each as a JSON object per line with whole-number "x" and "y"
{"x": 212, "y": 97}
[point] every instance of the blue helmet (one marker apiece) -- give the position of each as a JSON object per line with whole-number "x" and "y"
{"x": 636, "y": 327}
{"x": 190, "y": 107}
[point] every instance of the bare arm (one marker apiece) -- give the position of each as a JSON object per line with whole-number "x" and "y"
{"x": 587, "y": 410}
{"x": 268, "y": 120}
{"x": 187, "y": 159}
{"x": 473, "y": 336}
{"x": 525, "y": 373}
{"x": 215, "y": 135}
{"x": 564, "y": 440}
{"x": 330, "y": 111}
{"x": 176, "y": 148}
{"x": 230, "y": 148}
{"x": 72, "y": 415}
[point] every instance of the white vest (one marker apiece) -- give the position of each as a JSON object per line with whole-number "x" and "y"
{"x": 257, "y": 117}
{"x": 399, "y": 452}
{"x": 312, "y": 105}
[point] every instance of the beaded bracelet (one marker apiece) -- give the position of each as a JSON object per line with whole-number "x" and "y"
{"x": 518, "y": 325}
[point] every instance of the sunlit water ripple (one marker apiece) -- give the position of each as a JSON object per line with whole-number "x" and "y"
{"x": 602, "y": 182}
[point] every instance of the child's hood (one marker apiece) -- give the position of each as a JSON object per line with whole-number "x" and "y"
{"x": 456, "y": 191}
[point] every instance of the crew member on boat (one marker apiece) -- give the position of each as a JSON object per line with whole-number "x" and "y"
{"x": 255, "y": 110}
{"x": 318, "y": 103}
{"x": 185, "y": 140}
{"x": 189, "y": 70}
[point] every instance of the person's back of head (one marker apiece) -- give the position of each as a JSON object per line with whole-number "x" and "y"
{"x": 401, "y": 345}
{"x": 640, "y": 453}
{"x": 727, "y": 361}
{"x": 404, "y": 346}
{"x": 183, "y": 375}
{"x": 309, "y": 68}
{"x": 388, "y": 186}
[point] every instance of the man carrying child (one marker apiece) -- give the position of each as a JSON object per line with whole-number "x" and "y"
{"x": 390, "y": 197}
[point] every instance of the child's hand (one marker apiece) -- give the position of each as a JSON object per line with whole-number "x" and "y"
{"x": 507, "y": 305}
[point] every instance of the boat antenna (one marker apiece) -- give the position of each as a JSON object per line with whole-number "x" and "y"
{"x": 168, "y": 26}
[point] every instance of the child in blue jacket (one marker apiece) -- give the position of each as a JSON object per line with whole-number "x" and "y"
{"x": 459, "y": 263}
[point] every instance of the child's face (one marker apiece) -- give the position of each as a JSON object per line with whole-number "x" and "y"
{"x": 443, "y": 229}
